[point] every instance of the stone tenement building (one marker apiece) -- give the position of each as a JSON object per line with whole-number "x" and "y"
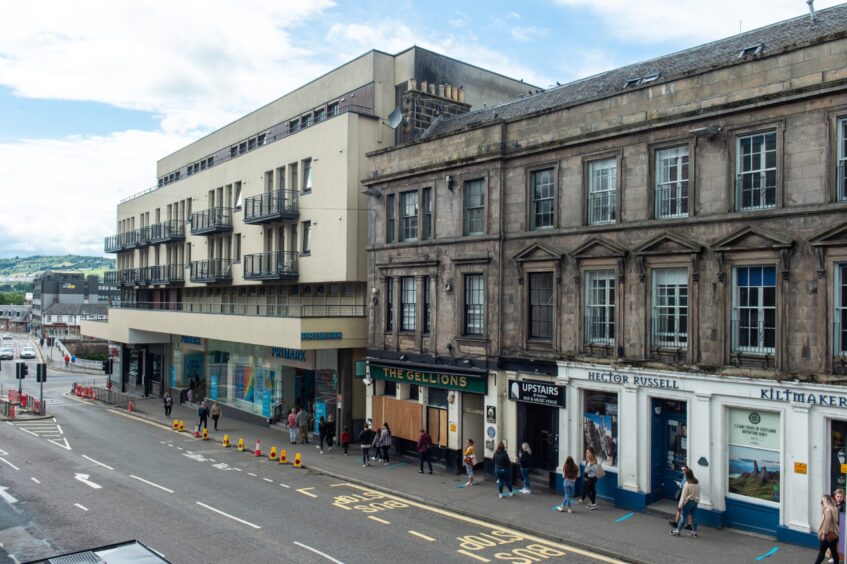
{"x": 651, "y": 262}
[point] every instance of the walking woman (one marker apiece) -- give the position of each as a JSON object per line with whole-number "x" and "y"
{"x": 216, "y": 413}
{"x": 589, "y": 475}
{"x": 688, "y": 504}
{"x": 322, "y": 430}
{"x": 570, "y": 472}
{"x": 385, "y": 441}
{"x": 470, "y": 461}
{"x": 503, "y": 470}
{"x": 828, "y": 529}
{"x": 525, "y": 460}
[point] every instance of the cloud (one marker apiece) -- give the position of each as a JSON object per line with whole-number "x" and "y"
{"x": 525, "y": 34}
{"x": 690, "y": 21}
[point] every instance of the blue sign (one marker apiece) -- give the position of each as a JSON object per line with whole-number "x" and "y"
{"x": 320, "y": 411}
{"x": 190, "y": 340}
{"x": 213, "y": 387}
{"x": 266, "y": 403}
{"x": 173, "y": 376}
{"x": 288, "y": 354}
{"x": 323, "y": 336}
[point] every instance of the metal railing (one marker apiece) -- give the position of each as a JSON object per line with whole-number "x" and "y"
{"x": 602, "y": 207}
{"x": 599, "y": 330}
{"x": 141, "y": 276}
{"x": 672, "y": 199}
{"x": 839, "y": 333}
{"x": 753, "y": 337}
{"x": 211, "y": 270}
{"x": 252, "y": 310}
{"x": 212, "y": 220}
{"x": 167, "y": 274}
{"x": 841, "y": 173}
{"x": 279, "y": 204}
{"x": 756, "y": 190}
{"x": 274, "y": 265}
{"x": 111, "y": 278}
{"x": 669, "y": 332}
{"x": 167, "y": 231}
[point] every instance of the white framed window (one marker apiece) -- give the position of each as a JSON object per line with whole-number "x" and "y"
{"x": 542, "y": 186}
{"x": 390, "y": 225}
{"x": 602, "y": 191}
{"x": 408, "y": 303}
{"x": 670, "y": 308}
{"x": 426, "y": 197}
{"x": 474, "y": 304}
{"x": 307, "y": 237}
{"x": 754, "y": 309}
{"x": 756, "y": 171}
{"x": 409, "y": 216}
{"x": 474, "y": 201}
{"x": 600, "y": 307}
{"x": 840, "y": 317}
{"x": 841, "y": 172}
{"x": 307, "y": 175}
{"x": 541, "y": 305}
{"x": 672, "y": 182}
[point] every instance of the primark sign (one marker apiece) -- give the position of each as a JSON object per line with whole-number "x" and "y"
{"x": 543, "y": 393}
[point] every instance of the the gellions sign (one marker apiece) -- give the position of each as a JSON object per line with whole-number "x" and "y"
{"x": 531, "y": 391}
{"x": 460, "y": 382}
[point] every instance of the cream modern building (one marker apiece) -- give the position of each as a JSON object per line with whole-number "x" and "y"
{"x": 244, "y": 268}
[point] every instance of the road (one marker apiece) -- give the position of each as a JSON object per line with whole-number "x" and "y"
{"x": 90, "y": 475}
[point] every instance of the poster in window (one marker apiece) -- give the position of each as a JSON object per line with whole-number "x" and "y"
{"x": 754, "y": 455}
{"x": 599, "y": 436}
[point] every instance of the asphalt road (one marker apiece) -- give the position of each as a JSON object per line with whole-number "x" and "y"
{"x": 90, "y": 476}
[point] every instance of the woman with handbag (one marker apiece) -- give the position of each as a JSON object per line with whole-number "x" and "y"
{"x": 828, "y": 529}
{"x": 385, "y": 441}
{"x": 469, "y": 460}
{"x": 590, "y": 473}
{"x": 688, "y": 501}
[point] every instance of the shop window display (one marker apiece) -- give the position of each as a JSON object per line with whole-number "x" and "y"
{"x": 600, "y": 426}
{"x": 754, "y": 455}
{"x": 838, "y": 454}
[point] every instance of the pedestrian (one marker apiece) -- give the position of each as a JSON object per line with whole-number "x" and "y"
{"x": 688, "y": 504}
{"x": 589, "y": 476}
{"x": 366, "y": 438}
{"x": 67, "y": 360}
{"x": 216, "y": 413}
{"x": 303, "y": 420}
{"x": 469, "y": 460}
{"x": 189, "y": 395}
{"x": 330, "y": 432}
{"x": 385, "y": 442}
{"x": 838, "y": 498}
{"x": 292, "y": 425}
{"x": 570, "y": 472}
{"x": 503, "y": 469}
{"x": 828, "y": 529}
{"x": 321, "y": 433}
{"x": 676, "y": 516}
{"x": 168, "y": 401}
{"x": 345, "y": 439}
{"x": 525, "y": 461}
{"x": 203, "y": 414}
{"x": 424, "y": 444}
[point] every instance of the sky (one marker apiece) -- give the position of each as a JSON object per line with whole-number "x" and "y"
{"x": 93, "y": 93}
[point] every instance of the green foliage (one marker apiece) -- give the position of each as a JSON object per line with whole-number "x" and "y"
{"x": 26, "y": 267}
{"x": 11, "y": 298}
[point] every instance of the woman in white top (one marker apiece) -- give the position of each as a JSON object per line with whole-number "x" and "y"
{"x": 688, "y": 504}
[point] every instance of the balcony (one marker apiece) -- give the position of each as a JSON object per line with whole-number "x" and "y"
{"x": 167, "y": 274}
{"x": 141, "y": 237}
{"x": 272, "y": 206}
{"x": 141, "y": 276}
{"x": 111, "y": 278}
{"x": 167, "y": 232}
{"x": 275, "y": 265}
{"x": 211, "y": 270}
{"x": 112, "y": 244}
{"x": 210, "y": 221}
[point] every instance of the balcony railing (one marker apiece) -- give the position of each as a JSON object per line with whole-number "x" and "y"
{"x": 167, "y": 274}
{"x": 599, "y": 330}
{"x": 252, "y": 310}
{"x": 272, "y": 206}
{"x": 839, "y": 333}
{"x": 669, "y": 332}
{"x": 211, "y": 270}
{"x": 111, "y": 278}
{"x": 754, "y": 337}
{"x": 167, "y": 231}
{"x": 141, "y": 276}
{"x": 112, "y": 244}
{"x": 275, "y": 265}
{"x": 756, "y": 190}
{"x": 841, "y": 173}
{"x": 602, "y": 207}
{"x": 672, "y": 200}
{"x": 212, "y": 220}
{"x": 142, "y": 237}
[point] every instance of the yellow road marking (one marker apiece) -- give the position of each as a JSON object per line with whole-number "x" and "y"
{"x": 472, "y": 555}
{"x": 340, "y": 485}
{"x": 422, "y": 536}
{"x": 134, "y": 418}
{"x": 378, "y": 520}
{"x": 305, "y": 491}
{"x": 480, "y": 523}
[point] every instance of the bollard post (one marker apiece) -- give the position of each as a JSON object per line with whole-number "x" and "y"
{"x": 283, "y": 457}
{"x": 241, "y": 445}
{"x": 272, "y": 453}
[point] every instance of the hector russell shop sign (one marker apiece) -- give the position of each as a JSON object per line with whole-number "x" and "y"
{"x": 461, "y": 382}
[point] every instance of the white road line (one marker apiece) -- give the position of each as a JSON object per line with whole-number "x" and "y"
{"x": 239, "y": 469}
{"x": 30, "y": 432}
{"x": 84, "y": 479}
{"x": 180, "y": 448}
{"x": 95, "y": 462}
{"x": 4, "y": 461}
{"x": 59, "y": 427}
{"x": 318, "y": 552}
{"x": 3, "y": 452}
{"x": 210, "y": 508}
{"x": 251, "y": 474}
{"x": 10, "y": 423}
{"x": 285, "y": 486}
{"x": 151, "y": 484}
{"x": 34, "y": 480}
{"x": 267, "y": 480}
{"x": 65, "y": 446}
{"x": 84, "y": 508}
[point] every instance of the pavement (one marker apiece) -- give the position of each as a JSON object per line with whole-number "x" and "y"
{"x": 633, "y": 537}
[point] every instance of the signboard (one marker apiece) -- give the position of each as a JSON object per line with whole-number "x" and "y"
{"x": 320, "y": 411}
{"x": 360, "y": 369}
{"x": 460, "y": 382}
{"x": 756, "y": 429}
{"x": 266, "y": 403}
{"x": 213, "y": 386}
{"x": 322, "y": 336}
{"x": 543, "y": 393}
{"x": 288, "y": 354}
{"x": 800, "y": 468}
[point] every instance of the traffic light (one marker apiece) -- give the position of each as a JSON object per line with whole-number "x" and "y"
{"x": 21, "y": 370}
{"x": 41, "y": 372}
{"x": 108, "y": 366}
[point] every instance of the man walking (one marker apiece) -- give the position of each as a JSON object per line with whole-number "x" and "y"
{"x": 292, "y": 425}
{"x": 424, "y": 444}
{"x": 169, "y": 402}
{"x": 366, "y": 437}
{"x": 303, "y": 420}
{"x": 203, "y": 414}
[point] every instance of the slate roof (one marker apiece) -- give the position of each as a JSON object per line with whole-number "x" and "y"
{"x": 77, "y": 309}
{"x": 776, "y": 38}
{"x": 18, "y": 313}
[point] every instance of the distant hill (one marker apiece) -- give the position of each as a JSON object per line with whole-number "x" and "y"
{"x": 27, "y": 267}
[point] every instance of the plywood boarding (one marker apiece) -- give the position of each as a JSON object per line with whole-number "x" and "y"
{"x": 404, "y": 417}
{"x": 436, "y": 420}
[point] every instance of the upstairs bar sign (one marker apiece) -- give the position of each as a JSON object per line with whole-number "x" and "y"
{"x": 543, "y": 393}
{"x": 460, "y": 382}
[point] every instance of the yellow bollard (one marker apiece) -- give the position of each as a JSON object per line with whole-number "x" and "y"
{"x": 283, "y": 457}
{"x": 272, "y": 453}
{"x": 176, "y": 425}
{"x": 240, "y": 445}
{"x": 226, "y": 441}
{"x": 181, "y": 426}
{"x": 205, "y": 434}
{"x": 297, "y": 463}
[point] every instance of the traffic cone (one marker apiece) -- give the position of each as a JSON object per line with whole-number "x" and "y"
{"x": 176, "y": 425}
{"x": 181, "y": 426}
{"x": 258, "y": 451}
{"x": 272, "y": 454}
{"x": 226, "y": 441}
{"x": 197, "y": 432}
{"x": 11, "y": 411}
{"x": 283, "y": 457}
{"x": 240, "y": 445}
{"x": 130, "y": 406}
{"x": 297, "y": 462}
{"x": 205, "y": 434}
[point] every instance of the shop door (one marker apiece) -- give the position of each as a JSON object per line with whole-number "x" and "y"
{"x": 539, "y": 426}
{"x": 669, "y": 452}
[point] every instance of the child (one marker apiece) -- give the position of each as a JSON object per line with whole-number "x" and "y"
{"x": 345, "y": 439}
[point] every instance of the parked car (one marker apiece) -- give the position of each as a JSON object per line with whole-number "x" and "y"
{"x": 27, "y": 352}
{"x": 6, "y": 353}
{"x": 8, "y": 337}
